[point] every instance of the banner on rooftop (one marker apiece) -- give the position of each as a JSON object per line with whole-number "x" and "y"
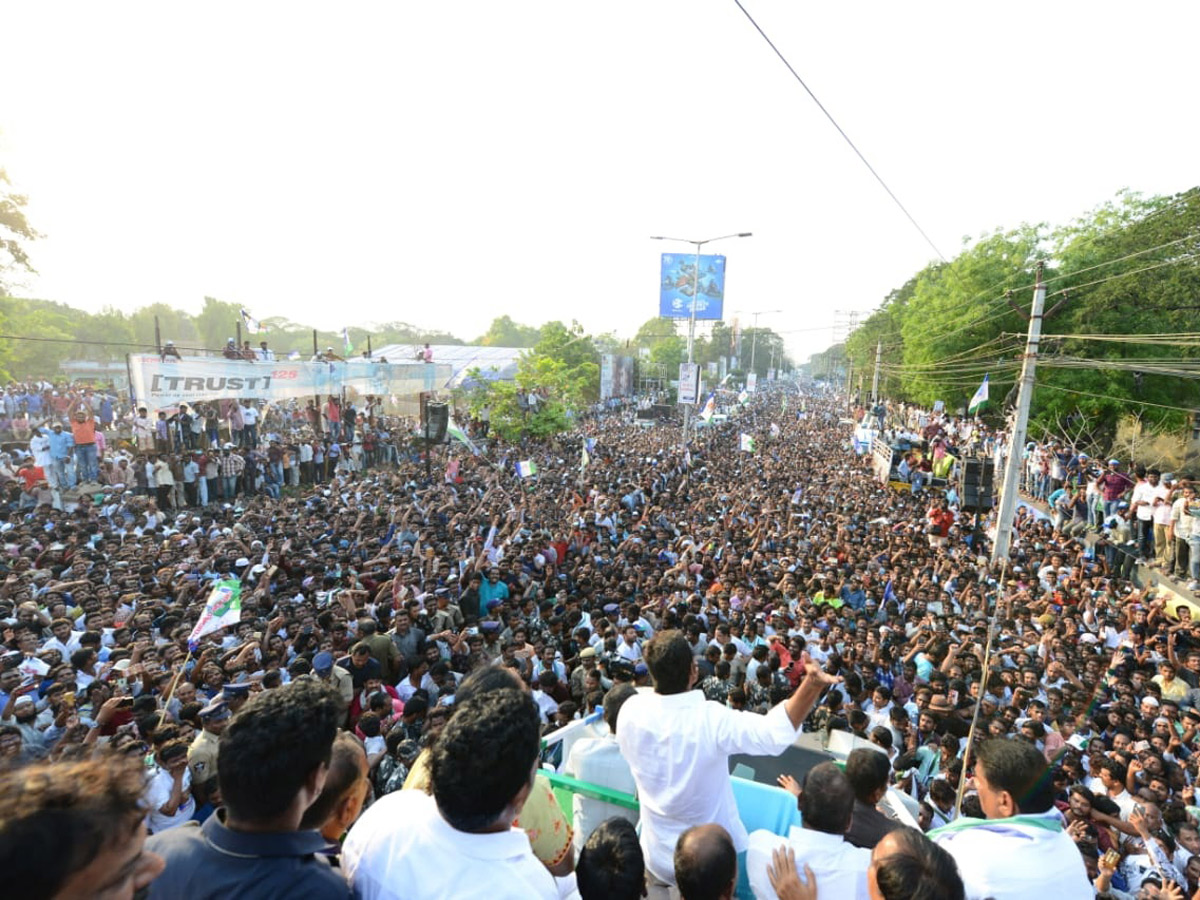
{"x": 680, "y": 282}
{"x": 165, "y": 384}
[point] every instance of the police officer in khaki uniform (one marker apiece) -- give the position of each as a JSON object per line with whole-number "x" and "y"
{"x": 202, "y": 755}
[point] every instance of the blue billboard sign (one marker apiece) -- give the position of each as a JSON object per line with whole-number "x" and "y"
{"x": 680, "y": 281}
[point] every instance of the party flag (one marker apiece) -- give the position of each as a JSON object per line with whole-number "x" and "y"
{"x": 253, "y": 326}
{"x": 980, "y": 398}
{"x": 223, "y": 607}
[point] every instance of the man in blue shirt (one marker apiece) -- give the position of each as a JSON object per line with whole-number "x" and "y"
{"x": 492, "y": 588}
{"x": 62, "y": 450}
{"x": 853, "y": 595}
{"x": 272, "y": 761}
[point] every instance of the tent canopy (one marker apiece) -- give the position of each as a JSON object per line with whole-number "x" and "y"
{"x": 494, "y": 363}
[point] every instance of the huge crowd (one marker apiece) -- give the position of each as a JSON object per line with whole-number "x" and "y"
{"x": 373, "y": 724}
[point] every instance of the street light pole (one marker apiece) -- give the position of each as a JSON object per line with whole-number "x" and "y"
{"x": 687, "y": 409}
{"x": 754, "y": 336}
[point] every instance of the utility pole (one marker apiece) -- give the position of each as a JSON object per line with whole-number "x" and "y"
{"x": 1012, "y": 465}
{"x": 875, "y": 377}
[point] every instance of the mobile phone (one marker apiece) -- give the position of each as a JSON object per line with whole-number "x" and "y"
{"x": 952, "y": 698}
{"x": 1140, "y": 746}
{"x": 126, "y": 703}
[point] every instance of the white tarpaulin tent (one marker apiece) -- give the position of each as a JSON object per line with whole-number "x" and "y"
{"x": 493, "y": 363}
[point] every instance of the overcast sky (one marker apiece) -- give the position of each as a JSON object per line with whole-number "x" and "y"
{"x": 444, "y": 163}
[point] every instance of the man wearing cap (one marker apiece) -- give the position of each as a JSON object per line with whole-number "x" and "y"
{"x": 1113, "y": 485}
{"x": 335, "y": 675}
{"x": 447, "y": 616}
{"x": 61, "y": 451}
{"x": 235, "y": 696}
{"x": 202, "y": 755}
{"x": 1164, "y": 545}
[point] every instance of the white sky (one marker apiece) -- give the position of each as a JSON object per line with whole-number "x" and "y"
{"x": 444, "y": 163}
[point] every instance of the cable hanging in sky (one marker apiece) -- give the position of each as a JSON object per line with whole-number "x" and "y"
{"x": 833, "y": 121}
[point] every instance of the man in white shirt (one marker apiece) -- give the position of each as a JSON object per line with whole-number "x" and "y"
{"x": 1142, "y": 503}
{"x": 826, "y": 806}
{"x": 678, "y": 746}
{"x": 169, "y": 792}
{"x": 250, "y": 425}
{"x": 1027, "y": 853}
{"x": 65, "y": 640}
{"x": 1111, "y": 774}
{"x": 1183, "y": 525}
{"x": 629, "y": 648}
{"x": 599, "y": 761}
{"x": 1160, "y": 504}
{"x": 459, "y": 842}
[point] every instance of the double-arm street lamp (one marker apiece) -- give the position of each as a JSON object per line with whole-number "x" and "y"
{"x": 687, "y": 409}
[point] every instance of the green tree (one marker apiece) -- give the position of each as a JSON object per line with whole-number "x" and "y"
{"x": 15, "y": 233}
{"x": 1128, "y": 267}
{"x": 174, "y": 324}
{"x": 217, "y": 322}
{"x": 562, "y": 371}
{"x": 504, "y": 332}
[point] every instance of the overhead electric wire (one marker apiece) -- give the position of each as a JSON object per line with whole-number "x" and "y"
{"x": 1169, "y": 262}
{"x": 943, "y": 335}
{"x": 1113, "y": 262}
{"x": 963, "y": 355}
{"x": 1055, "y": 387}
{"x": 1167, "y": 339}
{"x": 840, "y": 131}
{"x": 147, "y": 347}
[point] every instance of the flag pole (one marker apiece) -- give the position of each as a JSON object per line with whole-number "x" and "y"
{"x": 174, "y": 684}
{"x": 993, "y": 627}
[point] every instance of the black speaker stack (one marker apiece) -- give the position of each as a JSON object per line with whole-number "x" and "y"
{"x": 438, "y": 419}
{"x": 975, "y": 482}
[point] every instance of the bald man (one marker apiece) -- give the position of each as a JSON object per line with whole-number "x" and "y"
{"x": 705, "y": 864}
{"x": 905, "y": 863}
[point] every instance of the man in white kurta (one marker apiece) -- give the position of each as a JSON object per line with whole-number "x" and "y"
{"x": 840, "y": 868}
{"x": 1021, "y": 849}
{"x": 598, "y": 760}
{"x": 678, "y": 746}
